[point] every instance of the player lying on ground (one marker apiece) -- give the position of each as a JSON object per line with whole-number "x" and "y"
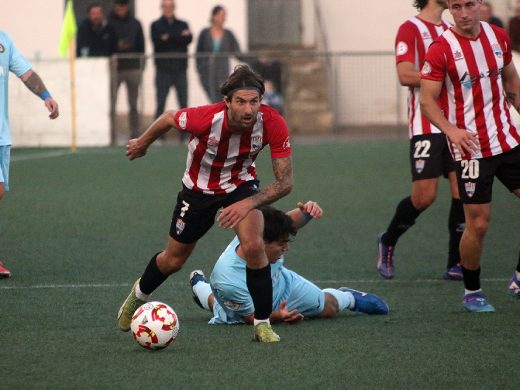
{"x": 294, "y": 297}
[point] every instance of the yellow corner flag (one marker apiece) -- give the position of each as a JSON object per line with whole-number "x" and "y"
{"x": 68, "y": 29}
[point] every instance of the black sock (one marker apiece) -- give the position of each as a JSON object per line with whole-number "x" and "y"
{"x": 518, "y": 265}
{"x": 456, "y": 224}
{"x": 152, "y": 277}
{"x": 404, "y": 218}
{"x": 471, "y": 279}
{"x": 260, "y": 287}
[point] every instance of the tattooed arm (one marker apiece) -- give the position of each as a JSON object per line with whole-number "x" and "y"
{"x": 35, "y": 84}
{"x": 511, "y": 83}
{"x": 282, "y": 169}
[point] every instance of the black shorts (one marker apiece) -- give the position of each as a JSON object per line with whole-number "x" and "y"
{"x": 195, "y": 212}
{"x": 430, "y": 157}
{"x": 475, "y": 177}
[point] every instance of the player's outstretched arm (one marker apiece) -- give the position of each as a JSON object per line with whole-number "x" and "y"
{"x": 35, "y": 84}
{"x": 137, "y": 147}
{"x": 304, "y": 213}
{"x": 233, "y": 214}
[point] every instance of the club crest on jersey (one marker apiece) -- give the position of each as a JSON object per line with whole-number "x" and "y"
{"x": 179, "y": 226}
{"x": 183, "y": 120}
{"x": 401, "y": 48}
{"x": 470, "y": 188}
{"x": 256, "y": 142}
{"x": 426, "y": 68}
{"x": 457, "y": 55}
{"x": 497, "y": 50}
{"x": 2, "y": 48}
{"x": 419, "y": 165}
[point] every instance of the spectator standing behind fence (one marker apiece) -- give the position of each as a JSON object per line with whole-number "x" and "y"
{"x": 127, "y": 69}
{"x": 486, "y": 15}
{"x": 514, "y": 29}
{"x": 170, "y": 35}
{"x": 271, "y": 71}
{"x": 95, "y": 37}
{"x": 214, "y": 70}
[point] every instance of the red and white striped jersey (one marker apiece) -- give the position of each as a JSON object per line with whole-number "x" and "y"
{"x": 411, "y": 43}
{"x": 219, "y": 161}
{"x": 471, "y": 72}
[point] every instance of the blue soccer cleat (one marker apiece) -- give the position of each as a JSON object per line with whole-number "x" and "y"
{"x": 514, "y": 286}
{"x": 453, "y": 273}
{"x": 385, "y": 259}
{"x": 477, "y": 303}
{"x": 196, "y": 277}
{"x": 366, "y": 303}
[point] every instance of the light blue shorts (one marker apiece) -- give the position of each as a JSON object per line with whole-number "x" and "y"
{"x": 5, "y": 157}
{"x": 233, "y": 301}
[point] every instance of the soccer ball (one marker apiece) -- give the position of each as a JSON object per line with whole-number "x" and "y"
{"x": 154, "y": 325}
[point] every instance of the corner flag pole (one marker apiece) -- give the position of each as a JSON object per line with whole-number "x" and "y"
{"x": 72, "y": 56}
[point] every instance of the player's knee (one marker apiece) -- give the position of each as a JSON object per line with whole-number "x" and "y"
{"x": 423, "y": 200}
{"x": 170, "y": 263}
{"x": 330, "y": 308}
{"x": 478, "y": 226}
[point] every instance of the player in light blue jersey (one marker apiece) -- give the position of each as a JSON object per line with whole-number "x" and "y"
{"x": 294, "y": 297}
{"x": 12, "y": 61}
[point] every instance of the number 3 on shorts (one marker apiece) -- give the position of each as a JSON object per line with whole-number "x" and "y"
{"x": 470, "y": 169}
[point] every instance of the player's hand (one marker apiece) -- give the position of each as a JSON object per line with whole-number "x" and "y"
{"x": 134, "y": 149}
{"x": 290, "y": 316}
{"x": 233, "y": 214}
{"x": 464, "y": 141}
{"x": 52, "y": 106}
{"x": 311, "y": 208}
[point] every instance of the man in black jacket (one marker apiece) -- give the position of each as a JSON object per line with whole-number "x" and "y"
{"x": 170, "y": 35}
{"x": 127, "y": 68}
{"x": 95, "y": 38}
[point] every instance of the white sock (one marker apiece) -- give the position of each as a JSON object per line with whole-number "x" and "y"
{"x": 256, "y": 322}
{"x": 203, "y": 290}
{"x": 345, "y": 298}
{"x": 140, "y": 295}
{"x": 517, "y": 275}
{"x": 471, "y": 292}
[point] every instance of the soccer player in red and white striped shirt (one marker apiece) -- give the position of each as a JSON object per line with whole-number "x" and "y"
{"x": 468, "y": 82}
{"x": 429, "y": 155}
{"x": 225, "y": 139}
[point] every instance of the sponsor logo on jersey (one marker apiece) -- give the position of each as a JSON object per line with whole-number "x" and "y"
{"x": 457, "y": 55}
{"x": 419, "y": 165}
{"x": 212, "y": 141}
{"x": 179, "y": 226}
{"x": 467, "y": 80}
{"x": 426, "y": 68}
{"x": 401, "y": 48}
{"x": 286, "y": 143}
{"x": 426, "y": 35}
{"x": 183, "y": 120}
{"x": 2, "y": 48}
{"x": 470, "y": 188}
{"x": 497, "y": 50}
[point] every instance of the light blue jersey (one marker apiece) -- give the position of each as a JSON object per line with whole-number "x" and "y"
{"x": 10, "y": 61}
{"x": 232, "y": 299}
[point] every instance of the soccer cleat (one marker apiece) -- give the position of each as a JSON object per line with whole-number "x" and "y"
{"x": 477, "y": 303}
{"x": 4, "y": 272}
{"x": 453, "y": 273}
{"x": 514, "y": 286}
{"x": 196, "y": 277}
{"x": 264, "y": 333}
{"x": 385, "y": 259}
{"x": 128, "y": 308}
{"x": 366, "y": 303}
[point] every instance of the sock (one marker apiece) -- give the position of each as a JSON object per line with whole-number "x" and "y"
{"x": 256, "y": 322}
{"x": 203, "y": 290}
{"x": 260, "y": 287}
{"x": 466, "y": 291}
{"x": 140, "y": 295}
{"x": 456, "y": 225}
{"x": 471, "y": 279}
{"x": 404, "y": 218}
{"x": 152, "y": 277}
{"x": 345, "y": 298}
{"x": 518, "y": 267}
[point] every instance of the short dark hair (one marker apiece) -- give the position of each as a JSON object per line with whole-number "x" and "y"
{"x": 242, "y": 77}
{"x": 420, "y": 4}
{"x": 277, "y": 224}
{"x": 216, "y": 9}
{"x": 94, "y": 4}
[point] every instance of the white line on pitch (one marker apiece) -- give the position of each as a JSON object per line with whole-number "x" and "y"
{"x": 38, "y": 156}
{"x": 324, "y": 282}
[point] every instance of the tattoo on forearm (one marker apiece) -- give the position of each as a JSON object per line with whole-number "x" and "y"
{"x": 282, "y": 169}
{"x": 511, "y": 96}
{"x": 35, "y": 84}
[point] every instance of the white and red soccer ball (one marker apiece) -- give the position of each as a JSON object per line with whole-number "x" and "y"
{"x": 154, "y": 325}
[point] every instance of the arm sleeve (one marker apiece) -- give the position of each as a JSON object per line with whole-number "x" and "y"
{"x": 17, "y": 63}
{"x": 405, "y": 44}
{"x": 278, "y": 138}
{"x": 193, "y": 120}
{"x": 435, "y": 64}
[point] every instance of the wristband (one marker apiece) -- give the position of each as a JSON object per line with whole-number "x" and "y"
{"x": 45, "y": 95}
{"x": 306, "y": 216}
